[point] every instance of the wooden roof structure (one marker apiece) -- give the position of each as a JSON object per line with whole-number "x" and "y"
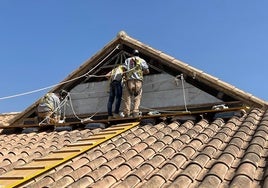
{"x": 158, "y": 61}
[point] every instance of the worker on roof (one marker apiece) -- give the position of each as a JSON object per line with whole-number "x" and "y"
{"x": 48, "y": 109}
{"x": 115, "y": 91}
{"x": 134, "y": 67}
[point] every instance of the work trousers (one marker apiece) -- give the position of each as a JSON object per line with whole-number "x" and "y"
{"x": 132, "y": 93}
{"x": 115, "y": 93}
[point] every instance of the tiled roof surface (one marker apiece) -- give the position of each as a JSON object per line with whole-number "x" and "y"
{"x": 216, "y": 153}
{"x": 7, "y": 117}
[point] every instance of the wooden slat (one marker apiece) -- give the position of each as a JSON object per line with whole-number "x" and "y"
{"x": 23, "y": 174}
{"x": 80, "y": 144}
{"x": 49, "y": 159}
{"x": 92, "y": 138}
{"x": 106, "y": 133}
{"x": 67, "y": 151}
{"x": 29, "y": 167}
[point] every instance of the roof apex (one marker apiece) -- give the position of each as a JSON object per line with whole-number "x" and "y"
{"x": 122, "y": 34}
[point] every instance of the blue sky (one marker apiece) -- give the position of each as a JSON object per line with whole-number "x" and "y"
{"x": 42, "y": 42}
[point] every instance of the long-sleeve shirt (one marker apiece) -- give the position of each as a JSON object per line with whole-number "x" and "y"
{"x": 50, "y": 102}
{"x": 134, "y": 68}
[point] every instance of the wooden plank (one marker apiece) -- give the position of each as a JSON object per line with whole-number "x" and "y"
{"x": 130, "y": 119}
{"x": 92, "y": 138}
{"x": 29, "y": 168}
{"x": 80, "y": 144}
{"x": 49, "y": 159}
{"x": 67, "y": 151}
{"x": 112, "y": 129}
{"x": 38, "y": 166}
{"x": 106, "y": 133}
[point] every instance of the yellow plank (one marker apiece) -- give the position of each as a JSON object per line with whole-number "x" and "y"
{"x": 22, "y": 174}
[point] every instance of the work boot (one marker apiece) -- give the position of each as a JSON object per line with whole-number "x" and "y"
{"x": 110, "y": 117}
{"x": 124, "y": 115}
{"x": 116, "y": 116}
{"x": 137, "y": 114}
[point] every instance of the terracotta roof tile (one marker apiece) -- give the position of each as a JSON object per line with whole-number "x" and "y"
{"x": 97, "y": 162}
{"x": 131, "y": 181}
{"x": 130, "y": 153}
{"x": 122, "y": 170}
{"x": 135, "y": 161}
{"x": 241, "y": 181}
{"x": 157, "y": 160}
{"x": 157, "y": 145}
{"x": 58, "y": 174}
{"x": 168, "y": 170}
{"x": 155, "y": 181}
{"x": 181, "y": 180}
{"x": 219, "y": 169}
{"x": 98, "y": 173}
{"x": 201, "y": 159}
{"x": 112, "y": 164}
{"x": 64, "y": 182}
{"x": 210, "y": 181}
{"x": 6, "y": 118}
{"x": 107, "y": 181}
{"x": 147, "y": 153}
{"x": 205, "y": 153}
{"x": 46, "y": 181}
{"x": 83, "y": 182}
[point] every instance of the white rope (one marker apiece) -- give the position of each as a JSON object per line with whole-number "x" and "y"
{"x": 75, "y": 114}
{"x": 62, "y": 103}
{"x": 72, "y": 108}
{"x": 183, "y": 90}
{"x": 61, "y": 83}
{"x": 41, "y": 89}
{"x": 143, "y": 107}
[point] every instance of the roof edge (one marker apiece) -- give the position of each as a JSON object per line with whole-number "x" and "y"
{"x": 194, "y": 72}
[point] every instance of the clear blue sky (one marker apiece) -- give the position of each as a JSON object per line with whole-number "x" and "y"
{"x": 42, "y": 42}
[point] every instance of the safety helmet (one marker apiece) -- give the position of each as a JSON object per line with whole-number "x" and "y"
{"x": 63, "y": 93}
{"x": 135, "y": 52}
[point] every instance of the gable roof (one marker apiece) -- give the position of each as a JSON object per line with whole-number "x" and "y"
{"x": 201, "y": 152}
{"x": 159, "y": 61}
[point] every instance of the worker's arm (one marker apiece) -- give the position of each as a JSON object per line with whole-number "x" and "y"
{"x": 146, "y": 71}
{"x": 108, "y": 75}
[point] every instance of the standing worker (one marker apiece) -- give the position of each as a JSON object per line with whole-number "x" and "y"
{"x": 135, "y": 67}
{"x": 49, "y": 110}
{"x": 115, "y": 78}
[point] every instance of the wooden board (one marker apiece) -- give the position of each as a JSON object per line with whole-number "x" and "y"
{"x": 129, "y": 119}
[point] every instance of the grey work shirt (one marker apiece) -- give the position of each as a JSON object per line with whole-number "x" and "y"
{"x": 134, "y": 72}
{"x": 51, "y": 103}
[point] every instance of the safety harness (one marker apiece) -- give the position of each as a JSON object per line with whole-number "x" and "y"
{"x": 117, "y": 73}
{"x": 134, "y": 67}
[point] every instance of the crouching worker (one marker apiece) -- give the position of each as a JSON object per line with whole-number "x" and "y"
{"x": 49, "y": 110}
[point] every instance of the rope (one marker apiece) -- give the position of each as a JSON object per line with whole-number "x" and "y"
{"x": 143, "y": 107}
{"x": 73, "y": 111}
{"x": 61, "y": 83}
{"x": 183, "y": 90}
{"x": 71, "y": 104}
{"x": 63, "y": 102}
